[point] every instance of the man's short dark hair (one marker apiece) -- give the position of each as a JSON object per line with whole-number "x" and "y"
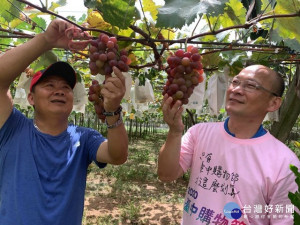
{"x": 279, "y": 84}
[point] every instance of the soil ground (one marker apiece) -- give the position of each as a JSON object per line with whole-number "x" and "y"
{"x": 131, "y": 193}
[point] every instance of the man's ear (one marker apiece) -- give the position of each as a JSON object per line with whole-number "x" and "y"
{"x": 274, "y": 104}
{"x": 30, "y": 98}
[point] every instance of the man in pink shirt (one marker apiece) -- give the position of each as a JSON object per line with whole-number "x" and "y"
{"x": 239, "y": 172}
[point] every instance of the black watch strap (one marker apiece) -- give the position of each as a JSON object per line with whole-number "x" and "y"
{"x": 116, "y": 124}
{"x": 117, "y": 112}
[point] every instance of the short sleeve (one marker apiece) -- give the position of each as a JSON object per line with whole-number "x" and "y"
{"x": 94, "y": 140}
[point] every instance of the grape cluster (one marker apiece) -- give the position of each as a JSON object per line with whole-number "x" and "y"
{"x": 184, "y": 74}
{"x": 105, "y": 54}
{"x": 94, "y": 95}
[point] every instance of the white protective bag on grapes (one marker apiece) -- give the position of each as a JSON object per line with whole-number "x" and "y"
{"x": 22, "y": 91}
{"x": 144, "y": 93}
{"x": 127, "y": 107}
{"x": 272, "y": 116}
{"x": 138, "y": 107}
{"x": 80, "y": 98}
{"x": 216, "y": 92}
{"x": 197, "y": 98}
{"x": 128, "y": 84}
{"x": 132, "y": 95}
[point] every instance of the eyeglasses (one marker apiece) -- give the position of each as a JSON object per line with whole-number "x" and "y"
{"x": 249, "y": 86}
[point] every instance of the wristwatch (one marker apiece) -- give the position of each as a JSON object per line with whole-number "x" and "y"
{"x": 116, "y": 124}
{"x": 117, "y": 112}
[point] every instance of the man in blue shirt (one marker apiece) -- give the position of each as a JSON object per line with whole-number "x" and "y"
{"x": 44, "y": 161}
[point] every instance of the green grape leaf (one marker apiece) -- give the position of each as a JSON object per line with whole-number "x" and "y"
{"x": 234, "y": 56}
{"x": 119, "y": 13}
{"x": 208, "y": 38}
{"x": 177, "y": 13}
{"x": 127, "y": 33}
{"x": 287, "y": 27}
{"x": 53, "y": 6}
{"x": 234, "y": 14}
{"x": 82, "y": 19}
{"x": 237, "y": 57}
{"x": 268, "y": 5}
{"x": 293, "y": 44}
{"x": 41, "y": 24}
{"x": 92, "y": 4}
{"x": 168, "y": 34}
{"x": 14, "y": 23}
{"x": 296, "y": 217}
{"x": 214, "y": 21}
{"x": 235, "y": 68}
{"x": 260, "y": 40}
{"x": 44, "y": 60}
{"x": 234, "y": 60}
{"x": 149, "y": 5}
{"x": 62, "y": 2}
{"x": 4, "y": 41}
{"x": 260, "y": 58}
{"x": 223, "y": 36}
{"x": 256, "y": 8}
{"x": 295, "y": 197}
{"x": 72, "y": 18}
{"x": 265, "y": 58}
{"x": 297, "y": 174}
{"x": 211, "y": 60}
{"x": 9, "y": 11}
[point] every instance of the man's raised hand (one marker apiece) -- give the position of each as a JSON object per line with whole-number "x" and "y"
{"x": 113, "y": 91}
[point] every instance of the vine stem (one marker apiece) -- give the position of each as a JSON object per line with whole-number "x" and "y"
{"x": 212, "y": 32}
{"x": 148, "y": 41}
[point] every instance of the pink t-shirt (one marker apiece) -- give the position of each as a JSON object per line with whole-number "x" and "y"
{"x": 236, "y": 181}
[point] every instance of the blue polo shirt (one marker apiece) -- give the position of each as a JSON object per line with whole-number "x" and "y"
{"x": 43, "y": 177}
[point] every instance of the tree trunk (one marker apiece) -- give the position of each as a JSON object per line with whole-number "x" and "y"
{"x": 130, "y": 129}
{"x": 289, "y": 111}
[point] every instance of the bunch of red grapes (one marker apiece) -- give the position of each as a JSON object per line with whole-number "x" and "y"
{"x": 184, "y": 74}
{"x": 94, "y": 95}
{"x": 105, "y": 54}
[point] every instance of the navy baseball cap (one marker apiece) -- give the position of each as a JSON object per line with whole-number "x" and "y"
{"x": 60, "y": 68}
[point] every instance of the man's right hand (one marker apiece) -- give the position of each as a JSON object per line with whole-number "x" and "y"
{"x": 172, "y": 114}
{"x": 56, "y": 36}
